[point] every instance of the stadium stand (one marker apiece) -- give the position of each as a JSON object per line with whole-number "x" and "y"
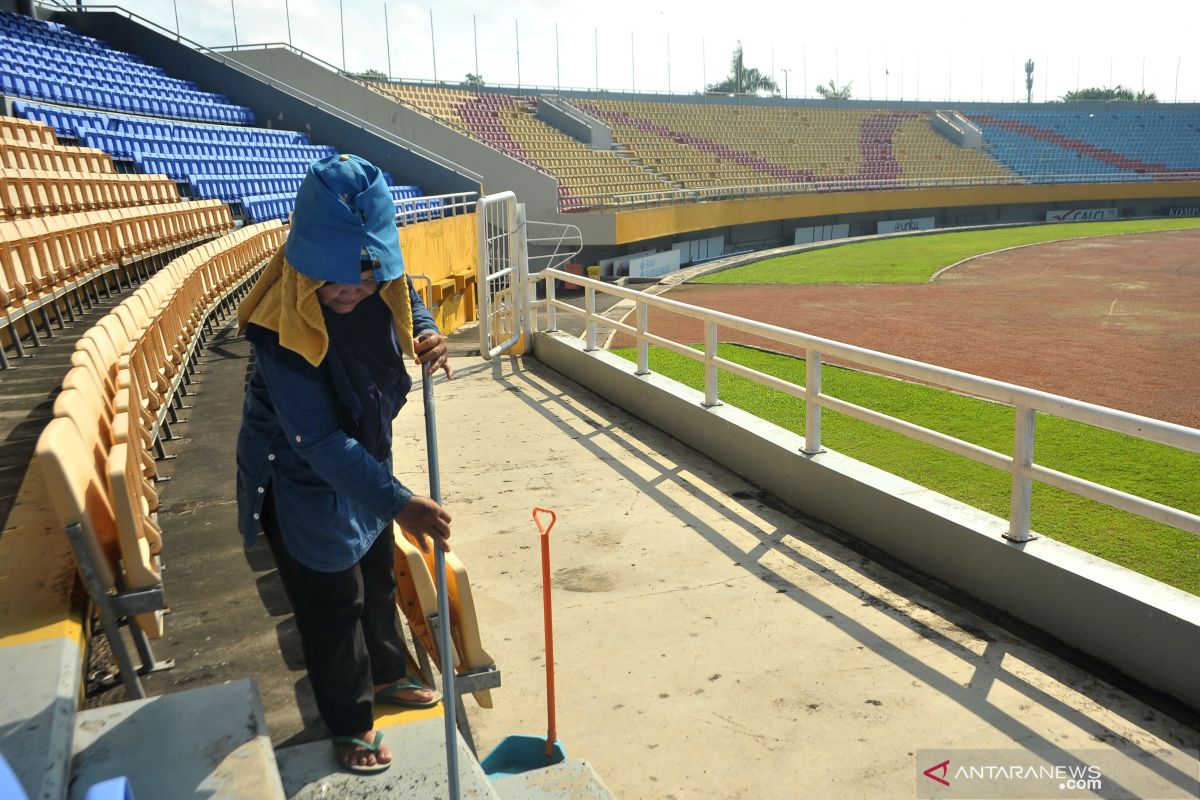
{"x": 509, "y": 124}
{"x": 97, "y": 176}
{"x": 1083, "y": 145}
{"x": 256, "y": 169}
{"x": 48, "y": 61}
{"x": 672, "y": 150}
{"x": 111, "y": 101}
{"x": 70, "y": 227}
{"x": 701, "y": 146}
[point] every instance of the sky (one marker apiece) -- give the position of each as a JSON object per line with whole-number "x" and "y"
{"x": 921, "y": 50}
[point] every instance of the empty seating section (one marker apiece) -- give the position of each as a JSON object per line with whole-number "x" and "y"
{"x": 229, "y": 163}
{"x": 664, "y": 149}
{"x": 510, "y": 124}
{"x": 70, "y": 227}
{"x": 924, "y": 154}
{"x": 128, "y": 373}
{"x": 112, "y": 101}
{"x": 48, "y": 61}
{"x": 436, "y": 101}
{"x": 721, "y": 145}
{"x": 256, "y": 169}
{"x": 38, "y": 176}
{"x": 1139, "y": 143}
{"x": 581, "y": 171}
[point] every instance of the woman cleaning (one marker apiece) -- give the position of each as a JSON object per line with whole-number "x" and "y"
{"x": 331, "y": 321}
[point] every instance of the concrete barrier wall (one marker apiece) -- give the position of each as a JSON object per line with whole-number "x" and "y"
{"x": 574, "y": 122}
{"x": 1145, "y": 629}
{"x": 649, "y": 223}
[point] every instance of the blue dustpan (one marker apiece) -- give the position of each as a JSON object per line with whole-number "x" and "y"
{"x": 521, "y": 753}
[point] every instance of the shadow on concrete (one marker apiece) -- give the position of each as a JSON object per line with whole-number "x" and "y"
{"x": 551, "y": 404}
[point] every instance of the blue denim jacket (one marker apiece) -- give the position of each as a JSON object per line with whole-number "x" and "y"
{"x": 332, "y": 496}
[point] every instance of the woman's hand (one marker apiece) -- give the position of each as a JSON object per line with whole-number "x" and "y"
{"x": 433, "y": 353}
{"x": 423, "y": 517}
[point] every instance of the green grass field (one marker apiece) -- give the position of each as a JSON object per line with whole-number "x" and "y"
{"x": 1142, "y": 468}
{"x": 915, "y": 259}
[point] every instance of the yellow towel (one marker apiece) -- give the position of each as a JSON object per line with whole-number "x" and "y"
{"x": 285, "y": 301}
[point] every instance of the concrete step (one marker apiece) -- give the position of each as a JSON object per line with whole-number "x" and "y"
{"x": 573, "y": 779}
{"x": 39, "y": 682}
{"x": 311, "y": 771}
{"x": 209, "y": 742}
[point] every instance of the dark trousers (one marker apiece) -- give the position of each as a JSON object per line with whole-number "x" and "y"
{"x": 349, "y": 628}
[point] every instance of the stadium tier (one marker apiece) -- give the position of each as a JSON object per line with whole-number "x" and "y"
{"x": 509, "y": 124}
{"x": 1054, "y": 145}
{"x": 680, "y": 148}
{"x": 88, "y": 84}
{"x": 48, "y": 61}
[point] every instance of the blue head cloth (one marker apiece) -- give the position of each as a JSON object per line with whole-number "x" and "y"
{"x": 344, "y": 216}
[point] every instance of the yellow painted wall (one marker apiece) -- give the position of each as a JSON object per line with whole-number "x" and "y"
{"x": 443, "y": 249}
{"x": 649, "y": 223}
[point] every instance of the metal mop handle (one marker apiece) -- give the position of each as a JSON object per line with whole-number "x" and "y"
{"x": 447, "y": 660}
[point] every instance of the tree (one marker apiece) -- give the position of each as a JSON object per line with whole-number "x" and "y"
{"x": 372, "y": 75}
{"x": 1116, "y": 94}
{"x": 743, "y": 80}
{"x": 1029, "y": 81}
{"x": 473, "y": 81}
{"x": 832, "y": 92}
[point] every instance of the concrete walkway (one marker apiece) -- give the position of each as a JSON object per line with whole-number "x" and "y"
{"x": 708, "y": 643}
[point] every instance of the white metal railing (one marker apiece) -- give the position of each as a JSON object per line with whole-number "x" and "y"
{"x": 819, "y": 185}
{"x": 1026, "y": 402}
{"x": 419, "y": 209}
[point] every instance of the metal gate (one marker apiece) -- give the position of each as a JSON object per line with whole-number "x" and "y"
{"x": 503, "y": 274}
{"x": 503, "y": 281}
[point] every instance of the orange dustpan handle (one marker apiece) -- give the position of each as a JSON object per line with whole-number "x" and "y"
{"x": 551, "y": 730}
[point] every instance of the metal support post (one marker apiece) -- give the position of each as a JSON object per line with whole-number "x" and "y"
{"x": 812, "y": 408}
{"x": 643, "y": 347}
{"x": 710, "y": 368}
{"x": 589, "y": 306}
{"x": 1022, "y": 484}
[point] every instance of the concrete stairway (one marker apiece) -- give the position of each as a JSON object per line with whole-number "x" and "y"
{"x": 209, "y": 742}
{"x": 310, "y": 771}
{"x": 212, "y": 742}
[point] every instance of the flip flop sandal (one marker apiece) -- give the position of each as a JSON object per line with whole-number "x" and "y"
{"x": 388, "y": 697}
{"x": 373, "y": 748}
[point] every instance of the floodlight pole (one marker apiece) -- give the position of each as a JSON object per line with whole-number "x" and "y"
{"x": 433, "y": 46}
{"x": 387, "y": 40}
{"x": 804, "y": 69}
{"x": 234, "y": 11}
{"x": 785, "y": 71}
{"x": 287, "y": 13}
